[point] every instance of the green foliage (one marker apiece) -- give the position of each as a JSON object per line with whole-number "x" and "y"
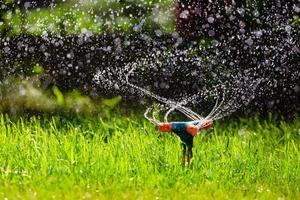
{"x": 116, "y": 157}
{"x": 74, "y": 17}
{"x": 30, "y": 95}
{"x": 296, "y": 20}
{"x": 111, "y": 103}
{"x": 59, "y": 96}
{"x": 38, "y": 69}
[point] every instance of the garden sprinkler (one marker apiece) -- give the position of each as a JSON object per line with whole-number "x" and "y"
{"x": 186, "y": 131}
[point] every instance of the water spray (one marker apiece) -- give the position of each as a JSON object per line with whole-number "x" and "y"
{"x": 185, "y": 130}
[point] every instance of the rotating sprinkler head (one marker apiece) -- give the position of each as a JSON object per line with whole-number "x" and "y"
{"x": 186, "y": 131}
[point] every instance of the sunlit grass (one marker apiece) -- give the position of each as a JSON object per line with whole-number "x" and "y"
{"x": 125, "y": 157}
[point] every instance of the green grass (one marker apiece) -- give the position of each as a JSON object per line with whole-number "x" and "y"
{"x": 117, "y": 157}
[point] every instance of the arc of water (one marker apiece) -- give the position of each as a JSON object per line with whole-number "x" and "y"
{"x": 215, "y": 109}
{"x": 188, "y": 112}
{"x": 146, "y": 116}
{"x": 153, "y": 120}
{"x": 184, "y": 110}
{"x": 169, "y": 111}
{"x": 211, "y": 116}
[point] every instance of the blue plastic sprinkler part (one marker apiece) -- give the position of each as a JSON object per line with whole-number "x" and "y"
{"x": 186, "y": 131}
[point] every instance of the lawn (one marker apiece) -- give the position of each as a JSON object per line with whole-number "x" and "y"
{"x": 123, "y": 156}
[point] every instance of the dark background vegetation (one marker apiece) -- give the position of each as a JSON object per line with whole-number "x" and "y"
{"x": 55, "y": 48}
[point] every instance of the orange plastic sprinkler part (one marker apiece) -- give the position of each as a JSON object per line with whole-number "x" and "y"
{"x": 165, "y": 127}
{"x": 186, "y": 132}
{"x": 207, "y": 124}
{"x": 192, "y": 130}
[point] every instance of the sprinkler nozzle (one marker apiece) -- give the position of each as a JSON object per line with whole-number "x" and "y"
{"x": 192, "y": 130}
{"x": 206, "y": 124}
{"x": 165, "y": 127}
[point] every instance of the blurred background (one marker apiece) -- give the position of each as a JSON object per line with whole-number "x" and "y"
{"x": 84, "y": 16}
{"x": 51, "y": 50}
